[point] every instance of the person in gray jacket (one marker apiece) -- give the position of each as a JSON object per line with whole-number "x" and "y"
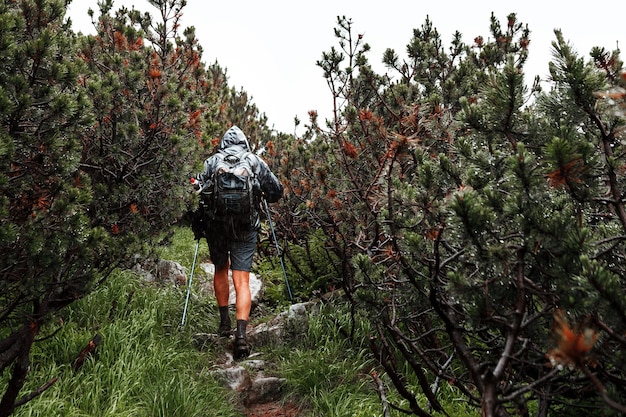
{"x": 232, "y": 246}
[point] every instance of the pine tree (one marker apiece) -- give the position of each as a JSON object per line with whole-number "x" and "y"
{"x": 47, "y": 243}
{"x": 99, "y": 137}
{"x": 146, "y": 84}
{"x": 464, "y": 223}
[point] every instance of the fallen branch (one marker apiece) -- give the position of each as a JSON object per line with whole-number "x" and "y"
{"x": 35, "y": 393}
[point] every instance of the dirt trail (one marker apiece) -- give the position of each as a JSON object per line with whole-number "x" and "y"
{"x": 275, "y": 409}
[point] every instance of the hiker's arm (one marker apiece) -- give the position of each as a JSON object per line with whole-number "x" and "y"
{"x": 206, "y": 175}
{"x": 271, "y": 187}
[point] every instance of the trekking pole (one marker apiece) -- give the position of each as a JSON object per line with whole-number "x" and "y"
{"x": 193, "y": 266}
{"x": 280, "y": 256}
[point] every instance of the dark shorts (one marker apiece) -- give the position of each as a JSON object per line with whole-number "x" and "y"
{"x": 240, "y": 249}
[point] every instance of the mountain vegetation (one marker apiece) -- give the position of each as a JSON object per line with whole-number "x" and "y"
{"x": 473, "y": 220}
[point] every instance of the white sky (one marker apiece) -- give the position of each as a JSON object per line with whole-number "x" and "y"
{"x": 270, "y": 47}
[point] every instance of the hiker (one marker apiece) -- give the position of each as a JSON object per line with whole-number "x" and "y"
{"x": 232, "y": 225}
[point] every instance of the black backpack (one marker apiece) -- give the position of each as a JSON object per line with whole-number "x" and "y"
{"x": 233, "y": 196}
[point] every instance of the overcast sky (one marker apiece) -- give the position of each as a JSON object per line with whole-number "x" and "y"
{"x": 269, "y": 47}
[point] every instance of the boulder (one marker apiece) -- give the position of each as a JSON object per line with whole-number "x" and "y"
{"x": 160, "y": 272}
{"x": 289, "y": 323}
{"x": 170, "y": 272}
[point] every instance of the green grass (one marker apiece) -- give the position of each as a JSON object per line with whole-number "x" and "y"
{"x": 332, "y": 376}
{"x": 182, "y": 248}
{"x": 143, "y": 367}
{"x": 146, "y": 367}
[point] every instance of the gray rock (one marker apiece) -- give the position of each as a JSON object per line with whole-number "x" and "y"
{"x": 237, "y": 378}
{"x": 254, "y": 364}
{"x": 170, "y": 272}
{"x": 161, "y": 272}
{"x": 287, "y": 324}
{"x": 264, "y": 390}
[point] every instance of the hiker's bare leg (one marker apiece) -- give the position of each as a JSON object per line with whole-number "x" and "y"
{"x": 221, "y": 285}
{"x": 241, "y": 280}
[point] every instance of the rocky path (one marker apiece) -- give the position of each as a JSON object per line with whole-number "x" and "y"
{"x": 260, "y": 392}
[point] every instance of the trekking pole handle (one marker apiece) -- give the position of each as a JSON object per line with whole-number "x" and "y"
{"x": 199, "y": 185}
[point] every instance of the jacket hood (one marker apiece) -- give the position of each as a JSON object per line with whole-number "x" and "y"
{"x": 234, "y": 141}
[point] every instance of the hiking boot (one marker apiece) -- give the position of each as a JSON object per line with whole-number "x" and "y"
{"x": 224, "y": 330}
{"x": 241, "y": 349}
